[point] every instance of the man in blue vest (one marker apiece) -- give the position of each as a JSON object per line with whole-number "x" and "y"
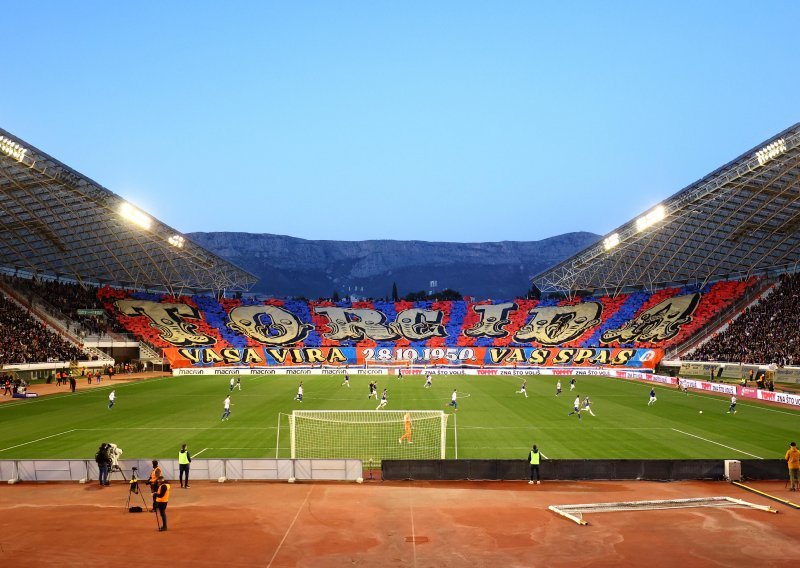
{"x": 534, "y": 457}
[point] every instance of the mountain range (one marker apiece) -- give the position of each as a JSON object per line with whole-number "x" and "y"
{"x": 289, "y": 266}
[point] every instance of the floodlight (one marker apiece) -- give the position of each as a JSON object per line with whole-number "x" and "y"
{"x": 611, "y": 241}
{"x": 771, "y": 151}
{"x": 12, "y": 149}
{"x": 135, "y": 216}
{"x": 651, "y": 218}
{"x": 177, "y": 241}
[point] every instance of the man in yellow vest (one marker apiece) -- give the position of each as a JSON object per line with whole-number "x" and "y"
{"x": 162, "y": 498}
{"x": 534, "y": 457}
{"x": 792, "y": 458}
{"x": 184, "y": 459}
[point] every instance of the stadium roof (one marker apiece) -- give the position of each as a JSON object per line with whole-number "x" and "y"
{"x": 740, "y": 220}
{"x": 57, "y": 222}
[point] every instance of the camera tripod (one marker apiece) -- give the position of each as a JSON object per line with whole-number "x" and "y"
{"x": 117, "y": 469}
{"x": 134, "y": 489}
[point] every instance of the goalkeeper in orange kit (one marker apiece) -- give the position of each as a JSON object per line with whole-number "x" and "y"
{"x": 407, "y": 426}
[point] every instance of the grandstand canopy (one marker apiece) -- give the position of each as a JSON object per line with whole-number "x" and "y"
{"x": 742, "y": 219}
{"x": 57, "y": 222}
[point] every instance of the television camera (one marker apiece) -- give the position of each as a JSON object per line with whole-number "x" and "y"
{"x": 114, "y": 453}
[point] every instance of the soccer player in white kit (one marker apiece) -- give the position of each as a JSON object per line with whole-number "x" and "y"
{"x": 299, "y": 396}
{"x": 576, "y": 407}
{"x": 112, "y": 396}
{"x": 524, "y": 388}
{"x": 384, "y": 400}
{"x": 732, "y": 407}
{"x": 428, "y": 382}
{"x": 454, "y": 401}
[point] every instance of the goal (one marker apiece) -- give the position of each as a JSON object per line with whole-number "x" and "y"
{"x": 368, "y": 435}
{"x": 575, "y": 512}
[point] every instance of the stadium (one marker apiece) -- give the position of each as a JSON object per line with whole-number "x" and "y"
{"x": 651, "y": 331}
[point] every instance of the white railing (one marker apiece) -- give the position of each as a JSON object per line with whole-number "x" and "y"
{"x": 201, "y": 469}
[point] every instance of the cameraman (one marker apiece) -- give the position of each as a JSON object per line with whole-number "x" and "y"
{"x": 103, "y": 459}
{"x": 161, "y": 498}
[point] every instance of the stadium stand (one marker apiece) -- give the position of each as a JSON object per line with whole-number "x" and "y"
{"x": 767, "y": 332}
{"x": 660, "y": 280}
{"x": 66, "y": 300}
{"x": 25, "y": 340}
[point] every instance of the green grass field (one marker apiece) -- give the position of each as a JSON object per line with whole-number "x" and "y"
{"x": 152, "y": 418}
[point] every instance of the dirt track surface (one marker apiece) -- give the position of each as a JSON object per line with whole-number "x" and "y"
{"x": 414, "y": 524}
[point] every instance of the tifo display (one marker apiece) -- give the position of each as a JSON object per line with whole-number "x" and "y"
{"x": 624, "y": 330}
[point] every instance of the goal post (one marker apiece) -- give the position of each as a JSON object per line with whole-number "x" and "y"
{"x": 368, "y": 435}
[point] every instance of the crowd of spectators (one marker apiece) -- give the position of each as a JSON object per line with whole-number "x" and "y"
{"x": 767, "y": 332}
{"x": 67, "y": 298}
{"x": 24, "y": 339}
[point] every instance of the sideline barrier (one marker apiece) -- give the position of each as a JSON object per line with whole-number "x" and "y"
{"x": 201, "y": 469}
{"x": 396, "y": 470}
{"x": 576, "y": 470}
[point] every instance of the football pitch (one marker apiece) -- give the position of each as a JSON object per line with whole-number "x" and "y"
{"x": 152, "y": 418}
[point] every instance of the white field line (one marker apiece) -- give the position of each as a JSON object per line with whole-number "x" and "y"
{"x": 171, "y": 428}
{"x": 560, "y": 428}
{"x": 37, "y": 440}
{"x": 200, "y": 452}
{"x": 300, "y": 508}
{"x": 749, "y": 403}
{"x": 250, "y": 448}
{"x": 62, "y": 395}
{"x": 718, "y": 444}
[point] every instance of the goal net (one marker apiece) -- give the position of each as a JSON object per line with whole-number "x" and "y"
{"x": 368, "y": 435}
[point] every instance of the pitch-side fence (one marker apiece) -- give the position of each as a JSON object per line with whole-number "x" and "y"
{"x": 200, "y": 469}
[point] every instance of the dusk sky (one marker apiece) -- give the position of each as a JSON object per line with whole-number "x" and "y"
{"x": 439, "y": 121}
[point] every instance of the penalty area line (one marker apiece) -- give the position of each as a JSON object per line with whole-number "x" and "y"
{"x": 718, "y": 444}
{"x": 37, "y": 440}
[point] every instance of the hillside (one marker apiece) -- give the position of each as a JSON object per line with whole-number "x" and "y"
{"x": 288, "y": 266}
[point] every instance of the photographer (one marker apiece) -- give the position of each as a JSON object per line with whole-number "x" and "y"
{"x": 161, "y": 498}
{"x": 103, "y": 460}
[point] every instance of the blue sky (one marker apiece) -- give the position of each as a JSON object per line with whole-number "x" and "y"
{"x": 440, "y": 121}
